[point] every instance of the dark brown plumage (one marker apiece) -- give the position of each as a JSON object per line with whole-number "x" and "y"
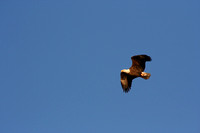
{"x": 136, "y": 70}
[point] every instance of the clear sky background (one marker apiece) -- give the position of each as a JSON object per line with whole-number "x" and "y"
{"x": 61, "y": 61}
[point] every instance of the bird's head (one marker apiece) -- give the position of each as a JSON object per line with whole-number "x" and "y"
{"x": 126, "y": 70}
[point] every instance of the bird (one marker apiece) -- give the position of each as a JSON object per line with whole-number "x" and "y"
{"x": 135, "y": 71}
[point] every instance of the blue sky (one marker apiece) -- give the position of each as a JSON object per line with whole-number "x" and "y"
{"x": 61, "y": 61}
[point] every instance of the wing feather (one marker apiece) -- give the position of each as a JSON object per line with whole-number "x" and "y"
{"x": 126, "y": 82}
{"x": 138, "y": 61}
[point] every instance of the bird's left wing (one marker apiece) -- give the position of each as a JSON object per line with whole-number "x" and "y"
{"x": 126, "y": 81}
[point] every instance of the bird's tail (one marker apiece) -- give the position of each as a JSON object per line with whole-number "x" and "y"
{"x": 145, "y": 75}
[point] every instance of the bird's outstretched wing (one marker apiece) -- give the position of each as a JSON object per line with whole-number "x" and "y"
{"x": 138, "y": 61}
{"x": 126, "y": 81}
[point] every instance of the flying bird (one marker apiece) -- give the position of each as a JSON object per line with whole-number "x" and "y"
{"x": 135, "y": 71}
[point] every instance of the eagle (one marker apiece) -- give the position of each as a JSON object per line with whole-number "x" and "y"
{"x": 135, "y": 71}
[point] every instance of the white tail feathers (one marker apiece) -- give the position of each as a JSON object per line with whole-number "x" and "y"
{"x": 145, "y": 75}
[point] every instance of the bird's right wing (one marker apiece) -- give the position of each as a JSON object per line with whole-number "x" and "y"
{"x": 138, "y": 61}
{"x": 126, "y": 81}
